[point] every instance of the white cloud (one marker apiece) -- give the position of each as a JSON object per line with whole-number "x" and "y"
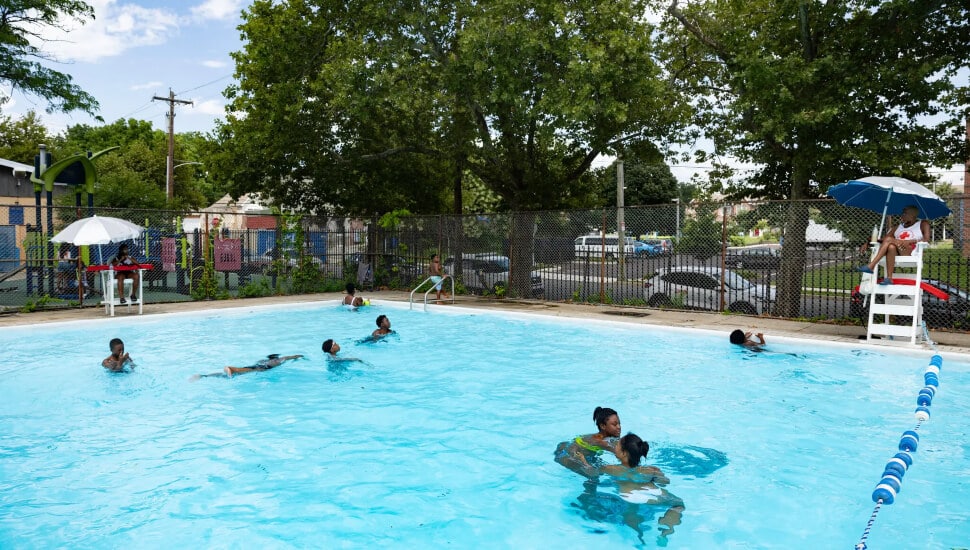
{"x": 116, "y": 28}
{"x": 212, "y": 107}
{"x": 217, "y": 9}
{"x": 213, "y": 64}
{"x": 146, "y": 86}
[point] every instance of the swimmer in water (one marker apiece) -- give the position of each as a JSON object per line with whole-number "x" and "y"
{"x": 351, "y": 299}
{"x": 640, "y": 490}
{"x": 331, "y": 348}
{"x": 119, "y": 359}
{"x": 748, "y": 339}
{"x": 580, "y": 454}
{"x": 271, "y": 362}
{"x": 383, "y": 327}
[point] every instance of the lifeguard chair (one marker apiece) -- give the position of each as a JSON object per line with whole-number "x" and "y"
{"x": 898, "y": 301}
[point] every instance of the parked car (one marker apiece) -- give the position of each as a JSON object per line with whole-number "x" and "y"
{"x": 291, "y": 258}
{"x": 489, "y": 272}
{"x": 641, "y": 248}
{"x": 755, "y": 257}
{"x": 597, "y": 246}
{"x": 700, "y": 288}
{"x": 938, "y": 313}
{"x": 666, "y": 245}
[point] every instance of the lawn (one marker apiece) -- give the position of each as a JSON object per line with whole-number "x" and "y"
{"x": 945, "y": 264}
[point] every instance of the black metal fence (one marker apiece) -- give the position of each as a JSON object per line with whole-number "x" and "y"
{"x": 790, "y": 259}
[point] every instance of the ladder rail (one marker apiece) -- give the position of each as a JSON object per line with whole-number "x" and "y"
{"x": 443, "y": 279}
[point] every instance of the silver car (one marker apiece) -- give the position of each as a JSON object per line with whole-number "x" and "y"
{"x": 701, "y": 287}
{"x": 489, "y": 272}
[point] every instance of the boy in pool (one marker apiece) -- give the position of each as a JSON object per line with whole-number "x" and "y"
{"x": 271, "y": 361}
{"x": 119, "y": 359}
{"x": 331, "y": 348}
{"x": 383, "y": 327}
{"x": 351, "y": 299}
{"x": 747, "y": 339}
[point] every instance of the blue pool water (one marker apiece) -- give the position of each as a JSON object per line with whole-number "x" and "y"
{"x": 445, "y": 437}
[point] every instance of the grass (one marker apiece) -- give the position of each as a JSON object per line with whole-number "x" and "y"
{"x": 944, "y": 264}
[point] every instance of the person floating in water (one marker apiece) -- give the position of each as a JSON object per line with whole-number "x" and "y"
{"x": 747, "y": 339}
{"x": 639, "y": 485}
{"x": 331, "y": 348}
{"x": 351, "y": 299}
{"x": 271, "y": 362}
{"x": 383, "y": 327}
{"x": 581, "y": 453}
{"x": 119, "y": 358}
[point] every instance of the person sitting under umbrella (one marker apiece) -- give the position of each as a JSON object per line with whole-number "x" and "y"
{"x": 124, "y": 259}
{"x": 901, "y": 242}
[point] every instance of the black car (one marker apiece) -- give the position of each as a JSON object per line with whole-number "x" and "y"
{"x": 753, "y": 258}
{"x": 938, "y": 313}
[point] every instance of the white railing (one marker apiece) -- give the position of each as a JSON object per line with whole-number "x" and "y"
{"x": 443, "y": 279}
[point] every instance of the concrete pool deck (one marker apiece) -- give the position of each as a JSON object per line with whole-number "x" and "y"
{"x": 947, "y": 342}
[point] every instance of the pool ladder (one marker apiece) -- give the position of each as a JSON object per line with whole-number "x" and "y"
{"x": 443, "y": 279}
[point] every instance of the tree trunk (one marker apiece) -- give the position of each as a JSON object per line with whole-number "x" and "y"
{"x": 793, "y": 252}
{"x": 520, "y": 253}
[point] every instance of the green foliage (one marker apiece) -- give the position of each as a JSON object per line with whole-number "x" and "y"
{"x": 40, "y": 303}
{"x": 701, "y": 235}
{"x": 391, "y": 220}
{"x": 22, "y": 30}
{"x": 255, "y": 289}
{"x": 20, "y": 137}
{"x": 206, "y": 287}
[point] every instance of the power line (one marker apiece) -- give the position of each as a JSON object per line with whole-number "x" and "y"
{"x": 170, "y": 172}
{"x": 221, "y": 78}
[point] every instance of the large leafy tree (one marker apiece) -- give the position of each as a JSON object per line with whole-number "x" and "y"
{"x": 368, "y": 97}
{"x": 22, "y": 24}
{"x": 817, "y": 91}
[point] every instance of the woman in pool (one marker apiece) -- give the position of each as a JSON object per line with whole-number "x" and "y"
{"x": 351, "y": 299}
{"x": 581, "y": 454}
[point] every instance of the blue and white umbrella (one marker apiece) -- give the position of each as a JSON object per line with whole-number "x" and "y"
{"x": 889, "y": 195}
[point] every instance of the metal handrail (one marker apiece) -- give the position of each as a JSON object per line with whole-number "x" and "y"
{"x": 443, "y": 279}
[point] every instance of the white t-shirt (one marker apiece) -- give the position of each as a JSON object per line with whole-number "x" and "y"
{"x": 911, "y": 233}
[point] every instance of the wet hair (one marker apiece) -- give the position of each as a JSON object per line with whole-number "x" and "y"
{"x": 327, "y": 345}
{"x": 114, "y": 342}
{"x": 602, "y": 414}
{"x": 380, "y": 318}
{"x": 273, "y": 356}
{"x": 635, "y": 448}
{"x": 737, "y": 337}
{"x": 351, "y": 289}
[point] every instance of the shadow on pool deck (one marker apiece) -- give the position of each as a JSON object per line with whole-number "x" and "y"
{"x": 949, "y": 342}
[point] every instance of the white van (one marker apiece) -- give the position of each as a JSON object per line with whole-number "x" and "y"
{"x": 596, "y": 246}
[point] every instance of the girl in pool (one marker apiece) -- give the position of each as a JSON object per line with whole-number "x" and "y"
{"x": 637, "y": 486}
{"x": 581, "y": 455}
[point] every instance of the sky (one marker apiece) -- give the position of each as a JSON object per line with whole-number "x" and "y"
{"x": 137, "y": 49}
{"x": 134, "y": 50}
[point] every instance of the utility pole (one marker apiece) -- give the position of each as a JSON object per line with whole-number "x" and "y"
{"x": 170, "y": 161}
{"x": 620, "y": 221}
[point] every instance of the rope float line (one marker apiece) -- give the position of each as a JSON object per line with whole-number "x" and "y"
{"x": 892, "y": 476}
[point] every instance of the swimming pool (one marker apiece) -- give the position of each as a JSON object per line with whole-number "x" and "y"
{"x": 445, "y": 436}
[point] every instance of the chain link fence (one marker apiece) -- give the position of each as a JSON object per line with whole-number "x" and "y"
{"x": 786, "y": 259}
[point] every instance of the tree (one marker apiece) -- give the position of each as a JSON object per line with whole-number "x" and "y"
{"x": 22, "y": 25}
{"x": 20, "y": 137}
{"x": 816, "y": 92}
{"x": 524, "y": 95}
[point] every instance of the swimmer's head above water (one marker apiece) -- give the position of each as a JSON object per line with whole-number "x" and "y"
{"x": 631, "y": 449}
{"x": 607, "y": 421}
{"x": 351, "y": 289}
{"x": 331, "y": 347}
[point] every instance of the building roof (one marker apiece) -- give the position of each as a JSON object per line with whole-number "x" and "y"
{"x": 16, "y": 167}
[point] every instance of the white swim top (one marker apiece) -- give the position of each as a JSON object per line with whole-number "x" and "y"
{"x": 911, "y": 233}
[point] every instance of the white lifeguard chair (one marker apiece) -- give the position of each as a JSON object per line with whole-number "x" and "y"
{"x": 900, "y": 299}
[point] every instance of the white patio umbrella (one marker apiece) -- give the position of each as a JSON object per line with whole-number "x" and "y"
{"x": 98, "y": 230}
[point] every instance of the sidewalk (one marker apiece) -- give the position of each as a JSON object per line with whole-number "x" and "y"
{"x": 949, "y": 342}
